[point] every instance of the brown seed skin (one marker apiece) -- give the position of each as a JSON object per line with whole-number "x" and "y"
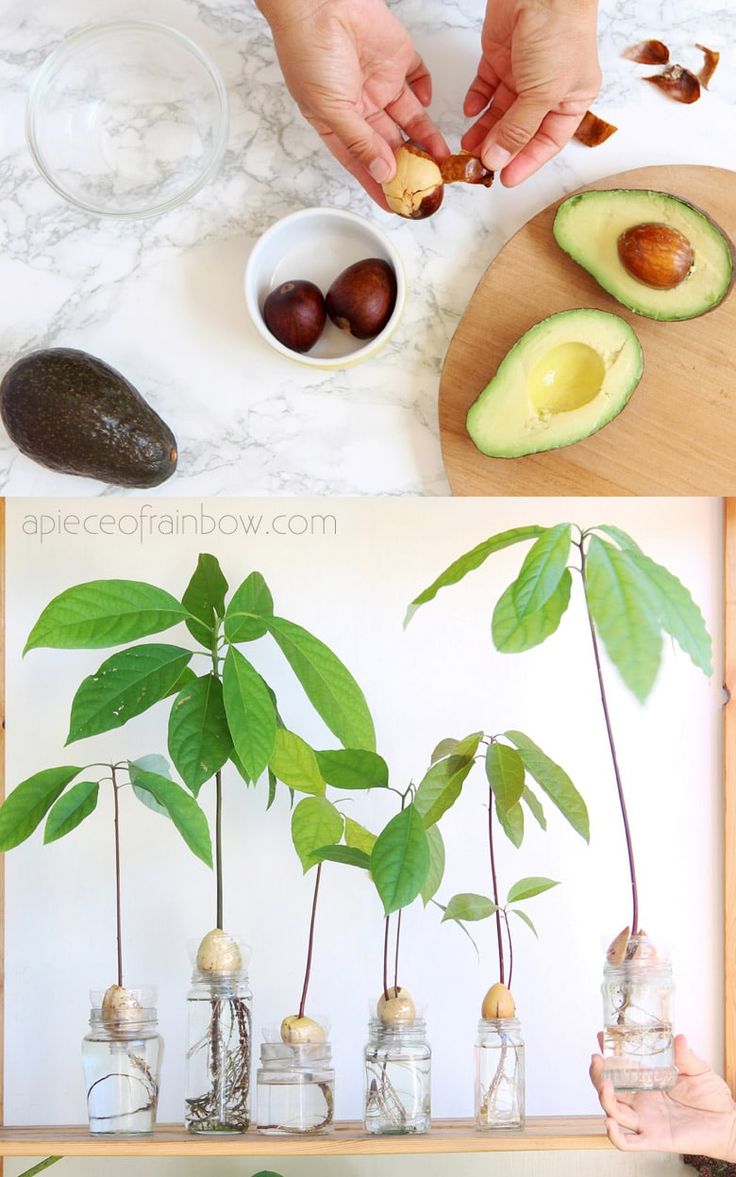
{"x": 656, "y": 255}
{"x": 295, "y": 314}
{"x": 361, "y": 299}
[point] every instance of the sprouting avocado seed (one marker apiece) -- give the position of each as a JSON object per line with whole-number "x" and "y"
{"x": 396, "y": 1009}
{"x": 119, "y": 1005}
{"x": 295, "y": 313}
{"x": 362, "y": 298}
{"x": 296, "y": 1031}
{"x": 618, "y": 948}
{"x": 219, "y": 954}
{"x": 498, "y": 1003}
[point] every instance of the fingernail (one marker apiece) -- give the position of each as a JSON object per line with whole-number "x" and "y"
{"x": 380, "y": 170}
{"x": 495, "y": 158}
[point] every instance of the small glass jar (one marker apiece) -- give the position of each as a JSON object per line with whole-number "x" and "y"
{"x": 398, "y": 1063}
{"x": 499, "y": 1074}
{"x": 296, "y": 1087}
{"x": 638, "y": 1040}
{"x": 121, "y": 1057}
{"x": 219, "y": 1050}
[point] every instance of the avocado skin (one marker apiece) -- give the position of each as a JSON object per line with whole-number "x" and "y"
{"x": 72, "y": 412}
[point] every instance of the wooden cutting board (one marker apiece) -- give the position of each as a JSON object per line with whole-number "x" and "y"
{"x": 677, "y": 435}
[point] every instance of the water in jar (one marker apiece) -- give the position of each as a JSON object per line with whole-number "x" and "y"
{"x": 122, "y": 1085}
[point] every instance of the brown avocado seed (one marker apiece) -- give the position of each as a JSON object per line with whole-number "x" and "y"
{"x": 417, "y": 189}
{"x": 396, "y": 1009}
{"x": 656, "y": 255}
{"x": 498, "y": 1003}
{"x": 298, "y": 1031}
{"x": 295, "y": 314}
{"x": 362, "y": 298}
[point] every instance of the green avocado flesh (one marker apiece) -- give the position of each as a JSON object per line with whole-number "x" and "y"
{"x": 589, "y": 225}
{"x": 567, "y": 377}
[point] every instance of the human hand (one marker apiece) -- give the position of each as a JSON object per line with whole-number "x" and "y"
{"x": 696, "y": 1116}
{"x": 537, "y": 76}
{"x": 356, "y": 77}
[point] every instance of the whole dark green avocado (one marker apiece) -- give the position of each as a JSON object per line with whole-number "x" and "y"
{"x": 72, "y": 412}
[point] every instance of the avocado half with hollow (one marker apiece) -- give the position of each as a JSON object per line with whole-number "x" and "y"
{"x": 655, "y": 253}
{"x": 567, "y": 377}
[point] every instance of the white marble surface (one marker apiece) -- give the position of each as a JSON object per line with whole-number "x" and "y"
{"x": 162, "y": 299}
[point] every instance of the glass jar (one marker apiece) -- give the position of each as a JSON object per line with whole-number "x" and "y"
{"x": 121, "y": 1057}
{"x": 638, "y": 1042}
{"x": 398, "y": 1064}
{"x": 219, "y": 1050}
{"x": 296, "y": 1087}
{"x": 499, "y": 1074}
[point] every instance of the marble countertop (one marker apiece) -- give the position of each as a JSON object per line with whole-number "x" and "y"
{"x": 162, "y": 299}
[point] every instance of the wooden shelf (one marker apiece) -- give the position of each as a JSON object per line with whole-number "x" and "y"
{"x": 348, "y": 1139}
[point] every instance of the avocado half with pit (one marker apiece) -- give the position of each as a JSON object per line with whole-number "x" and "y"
{"x": 655, "y": 253}
{"x": 566, "y": 378}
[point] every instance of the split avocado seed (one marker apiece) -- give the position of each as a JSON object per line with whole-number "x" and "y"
{"x": 417, "y": 189}
{"x": 397, "y": 1009}
{"x": 219, "y": 954}
{"x": 120, "y": 1005}
{"x": 498, "y": 1003}
{"x": 298, "y": 1031}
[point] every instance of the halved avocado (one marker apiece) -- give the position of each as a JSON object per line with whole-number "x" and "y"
{"x": 588, "y": 227}
{"x": 566, "y": 377}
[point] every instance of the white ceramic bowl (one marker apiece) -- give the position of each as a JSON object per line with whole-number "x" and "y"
{"x": 317, "y": 244}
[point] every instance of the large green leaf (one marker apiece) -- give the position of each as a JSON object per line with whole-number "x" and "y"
{"x": 295, "y": 763}
{"x": 619, "y": 599}
{"x": 468, "y": 906}
{"x": 679, "y": 616}
{"x": 29, "y": 803}
{"x": 512, "y": 634}
{"x": 250, "y": 610}
{"x": 124, "y": 686}
{"x": 156, "y": 764}
{"x": 440, "y": 787}
{"x": 327, "y": 683}
{"x": 347, "y": 855}
{"x": 103, "y": 613}
{"x": 554, "y": 781}
{"x": 199, "y": 736}
{"x": 505, "y": 772}
{"x": 250, "y": 713}
{"x": 471, "y": 560}
{"x": 534, "y": 806}
{"x": 436, "y": 871}
{"x": 529, "y": 887}
{"x": 358, "y": 837}
{"x": 622, "y": 538}
{"x": 512, "y": 823}
{"x": 400, "y": 860}
{"x": 466, "y": 747}
{"x": 180, "y": 806}
{"x": 353, "y": 768}
{"x": 204, "y": 599}
{"x": 542, "y": 570}
{"x": 71, "y": 809}
{"x": 315, "y": 824}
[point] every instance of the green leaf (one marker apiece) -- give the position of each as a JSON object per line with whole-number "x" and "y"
{"x": 180, "y": 806}
{"x": 622, "y": 538}
{"x": 272, "y": 782}
{"x": 104, "y": 613}
{"x": 186, "y": 677}
{"x": 248, "y": 615}
{"x": 678, "y": 614}
{"x": 250, "y": 713}
{"x": 512, "y": 634}
{"x": 348, "y": 855}
{"x": 295, "y": 763}
{"x": 440, "y": 787}
{"x": 71, "y": 809}
{"x": 29, "y": 803}
{"x": 199, "y": 737}
{"x": 554, "y": 781}
{"x": 529, "y": 887}
{"x": 461, "y": 926}
{"x": 512, "y": 823}
{"x": 315, "y": 824}
{"x": 471, "y": 560}
{"x": 124, "y": 686}
{"x": 158, "y": 765}
{"x": 467, "y": 747}
{"x": 620, "y": 604}
{"x": 467, "y": 906}
{"x": 353, "y": 768}
{"x": 400, "y": 860}
{"x": 534, "y": 806}
{"x": 436, "y": 871}
{"x": 505, "y": 772}
{"x": 327, "y": 683}
{"x": 542, "y": 570}
{"x": 358, "y": 837}
{"x": 204, "y": 599}
{"x": 444, "y": 748}
{"x": 523, "y": 916}
{"x": 241, "y": 769}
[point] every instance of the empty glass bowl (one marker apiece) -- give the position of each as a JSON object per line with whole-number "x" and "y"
{"x": 127, "y": 119}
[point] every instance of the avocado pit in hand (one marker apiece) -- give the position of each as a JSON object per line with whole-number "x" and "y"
{"x": 655, "y": 254}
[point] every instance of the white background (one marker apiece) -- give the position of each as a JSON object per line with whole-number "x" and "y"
{"x": 440, "y": 678}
